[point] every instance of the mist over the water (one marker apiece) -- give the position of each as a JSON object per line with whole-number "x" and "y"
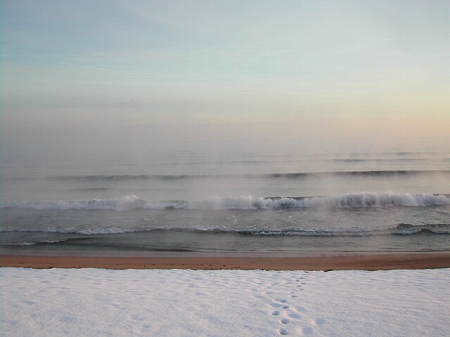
{"x": 194, "y": 162}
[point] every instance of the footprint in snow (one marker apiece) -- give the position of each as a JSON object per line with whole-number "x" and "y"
{"x": 283, "y": 332}
{"x": 284, "y": 321}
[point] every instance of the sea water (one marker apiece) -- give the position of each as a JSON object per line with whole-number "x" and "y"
{"x": 196, "y": 200}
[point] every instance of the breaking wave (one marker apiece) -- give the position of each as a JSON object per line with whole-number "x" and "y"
{"x": 352, "y": 200}
{"x": 66, "y": 236}
{"x": 400, "y": 229}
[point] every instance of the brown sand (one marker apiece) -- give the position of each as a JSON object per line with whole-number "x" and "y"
{"x": 347, "y": 262}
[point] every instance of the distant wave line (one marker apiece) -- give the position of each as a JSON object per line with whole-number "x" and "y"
{"x": 292, "y": 175}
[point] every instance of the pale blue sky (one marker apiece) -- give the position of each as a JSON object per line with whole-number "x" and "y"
{"x": 312, "y": 67}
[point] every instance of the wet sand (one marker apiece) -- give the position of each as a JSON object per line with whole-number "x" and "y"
{"x": 326, "y": 263}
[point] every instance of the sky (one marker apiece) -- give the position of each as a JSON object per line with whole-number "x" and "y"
{"x": 233, "y": 69}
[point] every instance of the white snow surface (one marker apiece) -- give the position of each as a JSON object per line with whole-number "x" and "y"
{"x": 98, "y": 302}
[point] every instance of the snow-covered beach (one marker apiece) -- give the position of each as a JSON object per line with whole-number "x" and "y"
{"x": 100, "y": 302}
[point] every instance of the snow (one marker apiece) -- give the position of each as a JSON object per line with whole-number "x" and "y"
{"x": 97, "y": 302}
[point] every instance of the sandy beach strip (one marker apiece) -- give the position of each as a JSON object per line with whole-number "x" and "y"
{"x": 338, "y": 262}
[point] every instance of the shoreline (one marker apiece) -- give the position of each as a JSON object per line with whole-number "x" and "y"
{"x": 387, "y": 261}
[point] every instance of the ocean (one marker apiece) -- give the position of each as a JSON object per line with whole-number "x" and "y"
{"x": 259, "y": 202}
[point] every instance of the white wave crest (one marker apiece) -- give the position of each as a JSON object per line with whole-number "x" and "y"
{"x": 365, "y": 199}
{"x": 352, "y": 200}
